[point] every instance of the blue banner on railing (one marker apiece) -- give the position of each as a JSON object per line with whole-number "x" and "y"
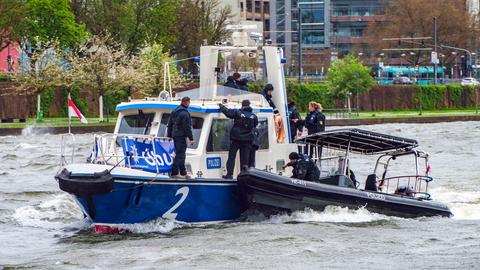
{"x": 149, "y": 155}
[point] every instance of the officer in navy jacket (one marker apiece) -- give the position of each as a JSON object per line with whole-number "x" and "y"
{"x": 267, "y": 93}
{"x": 304, "y": 167}
{"x": 241, "y": 135}
{"x": 179, "y": 128}
{"x": 294, "y": 117}
{"x": 315, "y": 119}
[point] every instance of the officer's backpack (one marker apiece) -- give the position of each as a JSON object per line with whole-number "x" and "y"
{"x": 247, "y": 120}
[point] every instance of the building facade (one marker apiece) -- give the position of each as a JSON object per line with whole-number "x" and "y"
{"x": 329, "y": 28}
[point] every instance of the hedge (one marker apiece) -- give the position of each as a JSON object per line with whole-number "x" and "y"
{"x": 302, "y": 94}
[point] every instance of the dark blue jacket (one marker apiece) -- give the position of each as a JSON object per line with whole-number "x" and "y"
{"x": 269, "y": 100}
{"x": 314, "y": 122}
{"x": 180, "y": 123}
{"x": 305, "y": 169}
{"x": 293, "y": 114}
{"x": 231, "y": 82}
{"x": 244, "y": 124}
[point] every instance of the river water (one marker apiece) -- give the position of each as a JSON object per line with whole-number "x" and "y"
{"x": 41, "y": 227}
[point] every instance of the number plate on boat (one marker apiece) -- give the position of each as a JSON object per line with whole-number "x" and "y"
{"x": 376, "y": 196}
{"x": 299, "y": 182}
{"x": 214, "y": 163}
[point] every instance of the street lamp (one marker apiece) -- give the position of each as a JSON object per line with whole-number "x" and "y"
{"x": 454, "y": 62}
{"x": 413, "y": 64}
{"x": 401, "y": 58}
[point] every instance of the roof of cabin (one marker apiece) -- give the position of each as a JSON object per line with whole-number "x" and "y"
{"x": 202, "y": 101}
{"x": 195, "y": 106}
{"x": 359, "y": 141}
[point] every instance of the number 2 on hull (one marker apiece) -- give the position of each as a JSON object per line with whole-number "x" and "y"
{"x": 169, "y": 214}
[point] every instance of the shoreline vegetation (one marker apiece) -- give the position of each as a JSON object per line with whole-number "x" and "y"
{"x": 331, "y": 115}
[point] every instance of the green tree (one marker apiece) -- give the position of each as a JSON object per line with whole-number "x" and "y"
{"x": 153, "y": 65}
{"x": 348, "y": 76}
{"x": 49, "y": 20}
{"x": 132, "y": 23}
{"x": 12, "y": 22}
{"x": 44, "y": 75}
{"x": 199, "y": 21}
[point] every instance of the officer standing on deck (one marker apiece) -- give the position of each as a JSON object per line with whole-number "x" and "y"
{"x": 180, "y": 128}
{"x": 241, "y": 135}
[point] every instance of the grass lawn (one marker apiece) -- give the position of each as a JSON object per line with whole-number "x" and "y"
{"x": 58, "y": 122}
{"x": 401, "y": 114}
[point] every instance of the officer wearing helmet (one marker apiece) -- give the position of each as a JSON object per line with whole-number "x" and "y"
{"x": 241, "y": 135}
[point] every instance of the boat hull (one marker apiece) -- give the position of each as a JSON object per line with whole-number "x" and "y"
{"x": 137, "y": 199}
{"x": 273, "y": 193}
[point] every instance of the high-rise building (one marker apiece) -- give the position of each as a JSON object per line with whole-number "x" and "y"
{"x": 257, "y": 10}
{"x": 251, "y": 10}
{"x": 328, "y": 28}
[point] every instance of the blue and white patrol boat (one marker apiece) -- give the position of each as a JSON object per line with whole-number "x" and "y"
{"x": 126, "y": 180}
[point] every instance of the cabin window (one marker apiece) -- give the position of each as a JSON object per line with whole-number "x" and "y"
{"x": 219, "y": 138}
{"x": 197, "y": 124}
{"x": 136, "y": 124}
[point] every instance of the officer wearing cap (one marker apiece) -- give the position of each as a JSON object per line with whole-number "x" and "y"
{"x": 267, "y": 93}
{"x": 241, "y": 135}
{"x": 304, "y": 167}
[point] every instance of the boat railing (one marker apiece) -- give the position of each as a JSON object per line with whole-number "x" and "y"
{"x": 108, "y": 149}
{"x": 408, "y": 185}
{"x": 67, "y": 149}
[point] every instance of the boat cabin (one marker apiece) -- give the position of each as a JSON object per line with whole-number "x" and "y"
{"x": 211, "y": 131}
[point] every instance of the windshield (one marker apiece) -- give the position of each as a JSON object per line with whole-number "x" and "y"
{"x": 136, "y": 123}
{"x": 197, "y": 124}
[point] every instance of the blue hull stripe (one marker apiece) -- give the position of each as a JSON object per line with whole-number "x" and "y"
{"x": 192, "y": 108}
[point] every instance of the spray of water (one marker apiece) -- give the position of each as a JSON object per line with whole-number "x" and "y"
{"x": 331, "y": 214}
{"x": 55, "y": 213}
{"x": 465, "y": 204}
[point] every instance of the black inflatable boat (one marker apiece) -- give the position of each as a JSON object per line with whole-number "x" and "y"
{"x": 404, "y": 195}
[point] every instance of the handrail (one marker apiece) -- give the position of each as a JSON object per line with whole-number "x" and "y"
{"x": 63, "y": 156}
{"x": 109, "y": 152}
{"x": 412, "y": 183}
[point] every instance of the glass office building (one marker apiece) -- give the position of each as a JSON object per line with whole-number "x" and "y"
{"x": 329, "y": 27}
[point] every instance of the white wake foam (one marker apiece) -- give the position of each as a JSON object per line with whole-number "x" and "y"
{"x": 26, "y": 146}
{"x": 159, "y": 225}
{"x": 464, "y": 204}
{"x": 54, "y": 213}
{"x": 331, "y": 214}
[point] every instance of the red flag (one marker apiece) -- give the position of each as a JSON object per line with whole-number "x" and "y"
{"x": 74, "y": 111}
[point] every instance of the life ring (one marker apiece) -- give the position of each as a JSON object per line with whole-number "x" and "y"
{"x": 279, "y": 129}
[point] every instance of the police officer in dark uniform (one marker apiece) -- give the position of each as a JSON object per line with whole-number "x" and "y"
{"x": 304, "y": 167}
{"x": 241, "y": 135}
{"x": 294, "y": 117}
{"x": 180, "y": 128}
{"x": 314, "y": 122}
{"x": 267, "y": 93}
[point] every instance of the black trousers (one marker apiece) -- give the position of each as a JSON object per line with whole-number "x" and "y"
{"x": 251, "y": 159}
{"x": 245, "y": 148}
{"x": 180, "y": 155}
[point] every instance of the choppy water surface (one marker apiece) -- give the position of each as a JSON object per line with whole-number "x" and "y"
{"x": 41, "y": 227}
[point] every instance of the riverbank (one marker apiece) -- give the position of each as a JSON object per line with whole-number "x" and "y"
{"x": 60, "y": 125}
